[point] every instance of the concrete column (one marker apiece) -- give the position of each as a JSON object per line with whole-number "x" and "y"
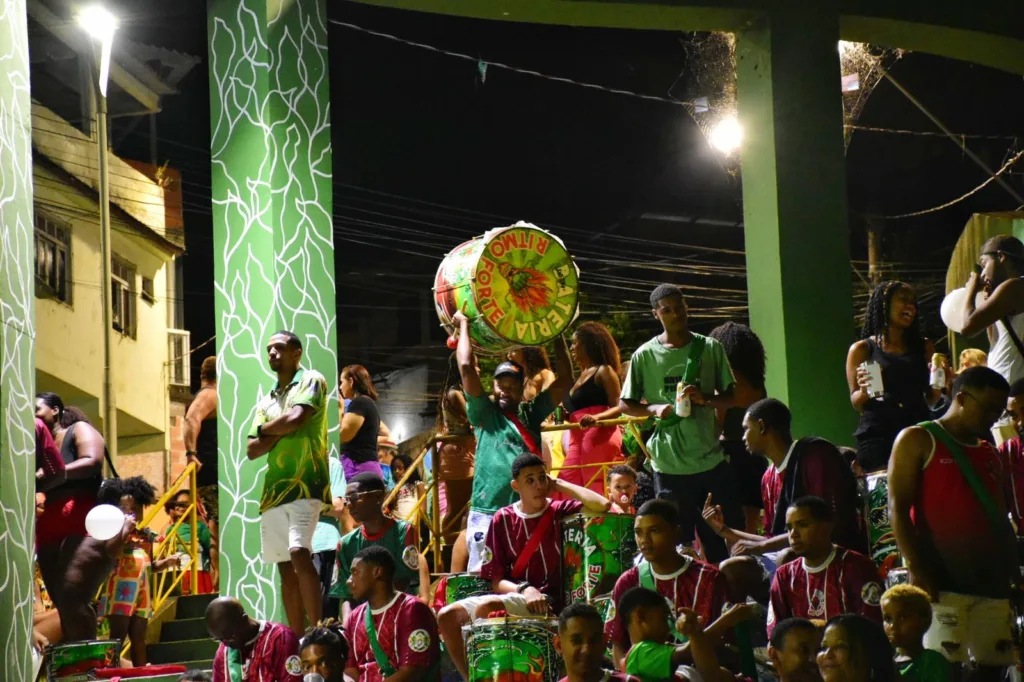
{"x": 273, "y": 243}
{"x": 794, "y": 204}
{"x": 17, "y": 349}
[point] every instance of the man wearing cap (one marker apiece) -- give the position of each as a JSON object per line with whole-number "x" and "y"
{"x": 505, "y": 427}
{"x": 685, "y": 452}
{"x": 1001, "y": 277}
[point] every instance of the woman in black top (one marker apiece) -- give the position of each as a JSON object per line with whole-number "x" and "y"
{"x": 594, "y": 397}
{"x": 72, "y": 563}
{"x": 891, "y": 337}
{"x": 360, "y": 424}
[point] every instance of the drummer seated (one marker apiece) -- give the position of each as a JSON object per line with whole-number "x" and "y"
{"x": 646, "y": 616}
{"x": 686, "y": 583}
{"x": 522, "y": 555}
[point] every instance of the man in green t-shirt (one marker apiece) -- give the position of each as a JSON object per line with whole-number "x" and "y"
{"x": 505, "y": 427}
{"x": 291, "y": 428}
{"x": 364, "y": 498}
{"x": 685, "y": 453}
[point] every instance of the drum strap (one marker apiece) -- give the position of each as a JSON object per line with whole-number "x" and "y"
{"x": 647, "y": 581}
{"x": 383, "y": 662}
{"x": 547, "y": 521}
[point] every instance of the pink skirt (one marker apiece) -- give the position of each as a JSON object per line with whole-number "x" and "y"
{"x": 590, "y": 446}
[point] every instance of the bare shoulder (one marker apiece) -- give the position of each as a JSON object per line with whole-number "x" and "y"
{"x": 859, "y": 349}
{"x": 912, "y": 441}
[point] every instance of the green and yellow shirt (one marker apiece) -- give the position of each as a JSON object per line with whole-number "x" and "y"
{"x": 297, "y": 466}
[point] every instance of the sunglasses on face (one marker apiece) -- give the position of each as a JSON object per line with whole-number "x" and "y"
{"x": 352, "y": 499}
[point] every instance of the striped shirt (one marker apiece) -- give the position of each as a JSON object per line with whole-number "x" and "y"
{"x": 507, "y": 537}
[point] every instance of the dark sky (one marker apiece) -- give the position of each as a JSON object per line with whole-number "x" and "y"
{"x": 426, "y": 156}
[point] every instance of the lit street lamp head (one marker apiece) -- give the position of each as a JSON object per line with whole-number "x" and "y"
{"x": 726, "y": 135}
{"x": 100, "y": 24}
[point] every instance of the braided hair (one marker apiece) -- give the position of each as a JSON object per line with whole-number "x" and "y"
{"x": 876, "y": 317}
{"x": 329, "y": 634}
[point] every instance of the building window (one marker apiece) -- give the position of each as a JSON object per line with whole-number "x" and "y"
{"x": 122, "y": 290}
{"x": 147, "y": 290}
{"x": 53, "y": 257}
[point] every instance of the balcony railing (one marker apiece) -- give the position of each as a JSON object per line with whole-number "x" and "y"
{"x": 180, "y": 347}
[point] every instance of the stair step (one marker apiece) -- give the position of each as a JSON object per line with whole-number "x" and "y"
{"x": 194, "y": 606}
{"x": 188, "y": 649}
{"x": 184, "y": 628}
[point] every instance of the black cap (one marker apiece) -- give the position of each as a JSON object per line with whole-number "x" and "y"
{"x": 509, "y": 369}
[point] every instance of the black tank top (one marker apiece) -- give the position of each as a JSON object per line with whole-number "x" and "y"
{"x": 206, "y": 447}
{"x": 905, "y": 380}
{"x": 590, "y": 394}
{"x": 69, "y": 453}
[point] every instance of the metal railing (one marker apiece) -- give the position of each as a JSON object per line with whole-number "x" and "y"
{"x": 160, "y": 587}
{"x": 432, "y": 521}
{"x": 179, "y": 346}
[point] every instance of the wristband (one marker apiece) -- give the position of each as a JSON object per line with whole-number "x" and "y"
{"x": 259, "y": 431}
{"x": 521, "y": 587}
{"x": 191, "y": 453}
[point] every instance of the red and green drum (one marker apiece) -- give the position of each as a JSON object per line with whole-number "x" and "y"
{"x": 596, "y": 550}
{"x": 513, "y": 650}
{"x": 517, "y": 285}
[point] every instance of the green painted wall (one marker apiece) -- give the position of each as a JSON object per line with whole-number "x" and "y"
{"x": 273, "y": 242}
{"x": 794, "y": 206}
{"x": 17, "y": 355}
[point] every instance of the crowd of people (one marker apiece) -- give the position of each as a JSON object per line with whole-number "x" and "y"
{"x": 744, "y": 534}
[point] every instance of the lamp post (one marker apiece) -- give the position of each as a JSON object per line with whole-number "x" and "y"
{"x": 100, "y": 25}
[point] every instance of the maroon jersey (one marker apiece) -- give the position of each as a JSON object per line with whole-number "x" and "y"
{"x": 771, "y": 491}
{"x": 848, "y": 582}
{"x": 950, "y": 518}
{"x": 697, "y": 586}
{"x": 507, "y": 537}
{"x": 1011, "y": 452}
{"x": 272, "y": 657}
{"x": 407, "y": 633}
{"x": 609, "y": 676}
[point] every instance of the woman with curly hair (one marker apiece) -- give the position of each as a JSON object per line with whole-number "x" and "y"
{"x": 891, "y": 337}
{"x": 594, "y": 397}
{"x": 126, "y": 603}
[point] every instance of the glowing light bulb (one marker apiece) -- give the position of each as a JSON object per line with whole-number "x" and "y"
{"x": 727, "y": 135}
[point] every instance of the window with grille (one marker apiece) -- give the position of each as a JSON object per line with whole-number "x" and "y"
{"x": 147, "y": 290}
{"x": 53, "y": 257}
{"x": 122, "y": 291}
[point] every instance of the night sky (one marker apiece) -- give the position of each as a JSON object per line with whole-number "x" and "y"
{"x": 426, "y": 155}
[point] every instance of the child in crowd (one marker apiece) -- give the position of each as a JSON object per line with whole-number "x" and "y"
{"x": 175, "y": 509}
{"x": 405, "y": 502}
{"x": 646, "y": 614}
{"x": 906, "y": 616}
{"x": 581, "y": 643}
{"x": 855, "y": 649}
{"x": 621, "y": 487}
{"x": 126, "y": 602}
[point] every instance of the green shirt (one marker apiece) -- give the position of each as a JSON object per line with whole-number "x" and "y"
{"x": 203, "y": 538}
{"x": 498, "y": 443}
{"x": 297, "y": 466}
{"x": 930, "y": 666}
{"x": 328, "y": 531}
{"x": 399, "y": 539}
{"x": 650, "y": 661}
{"x": 679, "y": 445}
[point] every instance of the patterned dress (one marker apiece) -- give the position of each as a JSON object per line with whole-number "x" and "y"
{"x": 128, "y": 592}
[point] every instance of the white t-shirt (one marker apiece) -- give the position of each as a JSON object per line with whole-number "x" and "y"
{"x": 1004, "y": 356}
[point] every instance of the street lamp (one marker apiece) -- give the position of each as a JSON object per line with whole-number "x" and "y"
{"x": 726, "y": 135}
{"x": 100, "y": 25}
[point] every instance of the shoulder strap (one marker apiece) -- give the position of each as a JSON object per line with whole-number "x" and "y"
{"x": 383, "y": 662}
{"x": 964, "y": 463}
{"x": 539, "y": 533}
{"x": 1008, "y": 322}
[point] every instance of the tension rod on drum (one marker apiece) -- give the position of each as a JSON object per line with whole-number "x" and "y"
{"x": 572, "y": 426}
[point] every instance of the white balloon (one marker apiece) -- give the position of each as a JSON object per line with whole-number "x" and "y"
{"x": 104, "y": 521}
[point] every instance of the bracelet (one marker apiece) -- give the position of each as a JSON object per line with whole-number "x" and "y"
{"x": 521, "y": 587}
{"x": 259, "y": 430}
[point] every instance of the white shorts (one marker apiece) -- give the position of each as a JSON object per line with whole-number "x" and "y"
{"x": 513, "y": 603}
{"x": 968, "y": 627}
{"x": 288, "y": 527}
{"x": 476, "y": 533}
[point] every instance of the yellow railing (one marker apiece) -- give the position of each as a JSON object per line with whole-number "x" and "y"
{"x": 160, "y": 589}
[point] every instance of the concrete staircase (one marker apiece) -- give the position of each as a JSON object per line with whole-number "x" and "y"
{"x": 184, "y": 640}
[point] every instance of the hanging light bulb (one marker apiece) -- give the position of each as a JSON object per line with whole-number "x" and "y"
{"x": 726, "y": 135}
